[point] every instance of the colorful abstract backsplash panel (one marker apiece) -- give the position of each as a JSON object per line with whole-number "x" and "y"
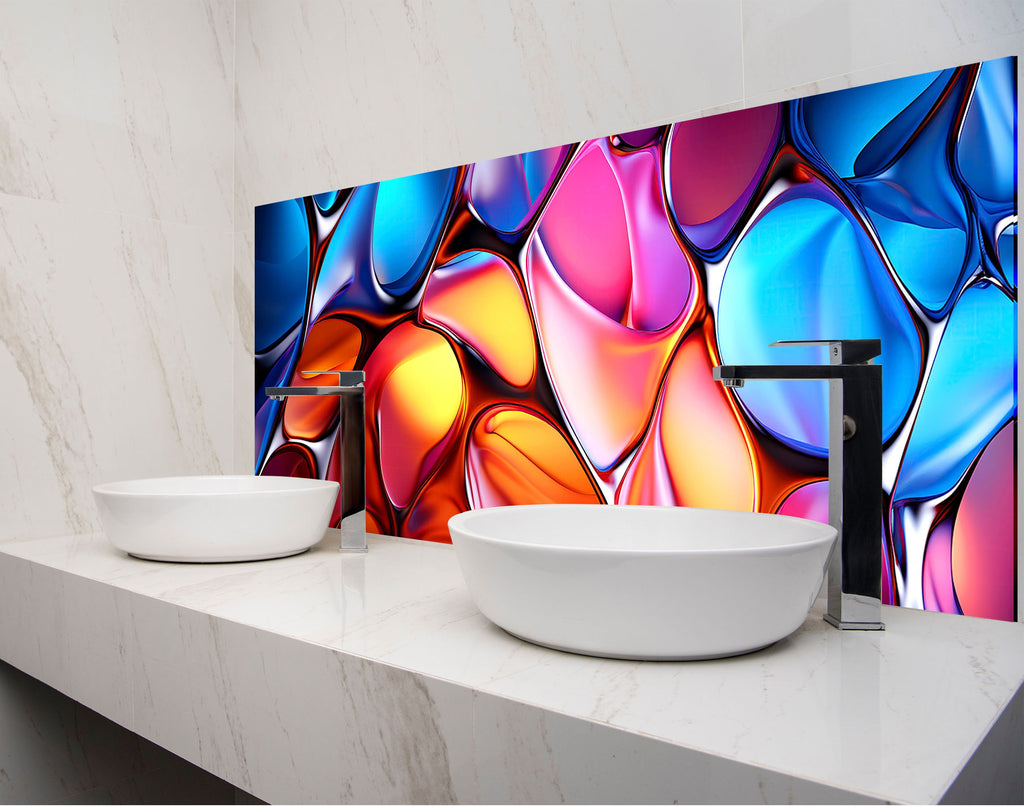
{"x": 542, "y": 327}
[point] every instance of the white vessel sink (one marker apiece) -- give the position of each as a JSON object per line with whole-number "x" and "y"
{"x": 209, "y": 519}
{"x": 639, "y": 582}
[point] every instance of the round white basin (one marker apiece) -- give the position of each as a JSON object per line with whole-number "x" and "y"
{"x": 209, "y": 519}
{"x": 642, "y": 582}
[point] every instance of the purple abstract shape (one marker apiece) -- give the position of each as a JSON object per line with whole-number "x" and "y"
{"x": 508, "y": 191}
{"x": 937, "y": 574}
{"x": 714, "y": 165}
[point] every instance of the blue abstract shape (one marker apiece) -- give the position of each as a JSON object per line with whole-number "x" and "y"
{"x": 840, "y": 124}
{"x": 917, "y": 190}
{"x": 348, "y": 254}
{"x": 928, "y": 261}
{"x": 266, "y": 409}
{"x": 326, "y": 200}
{"x": 1007, "y": 250}
{"x": 506, "y": 192}
{"x": 282, "y": 269}
{"x": 807, "y": 270}
{"x": 886, "y": 146}
{"x": 407, "y": 222}
{"x": 987, "y": 148}
{"x": 970, "y": 394}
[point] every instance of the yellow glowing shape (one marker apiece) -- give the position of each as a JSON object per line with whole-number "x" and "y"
{"x": 428, "y": 387}
{"x": 484, "y": 307}
{"x": 421, "y": 401}
{"x": 702, "y": 440}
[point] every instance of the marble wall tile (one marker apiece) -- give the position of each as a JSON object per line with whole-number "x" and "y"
{"x": 243, "y": 454}
{"x": 334, "y": 95}
{"x": 116, "y": 308}
{"x": 804, "y": 47}
{"x": 118, "y": 105}
{"x": 115, "y": 334}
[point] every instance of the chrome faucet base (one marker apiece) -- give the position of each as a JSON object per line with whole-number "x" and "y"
{"x": 853, "y": 625}
{"x": 353, "y": 532}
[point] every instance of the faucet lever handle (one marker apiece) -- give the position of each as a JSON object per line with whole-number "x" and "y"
{"x": 841, "y": 351}
{"x": 345, "y": 377}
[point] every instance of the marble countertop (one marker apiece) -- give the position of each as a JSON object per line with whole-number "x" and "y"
{"x": 235, "y": 665}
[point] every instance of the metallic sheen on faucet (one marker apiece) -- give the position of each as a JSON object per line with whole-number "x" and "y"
{"x": 351, "y": 448}
{"x": 854, "y": 471}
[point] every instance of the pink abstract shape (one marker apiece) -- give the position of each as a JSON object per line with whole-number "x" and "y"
{"x": 983, "y": 534}
{"x": 601, "y": 371}
{"x": 663, "y": 279}
{"x": 608, "y": 327}
{"x": 809, "y": 501}
{"x": 638, "y": 138}
{"x": 584, "y": 233}
{"x": 937, "y": 579}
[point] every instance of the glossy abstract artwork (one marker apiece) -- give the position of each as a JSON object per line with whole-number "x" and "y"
{"x": 542, "y": 327}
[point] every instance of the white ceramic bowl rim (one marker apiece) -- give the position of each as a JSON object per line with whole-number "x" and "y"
{"x": 817, "y": 533}
{"x": 177, "y": 486}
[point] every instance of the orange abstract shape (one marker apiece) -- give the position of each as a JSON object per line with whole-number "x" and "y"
{"x": 419, "y": 401}
{"x": 514, "y": 456}
{"x": 695, "y": 453}
{"x": 375, "y": 526}
{"x": 428, "y": 518}
{"x": 332, "y": 344}
{"x": 477, "y": 299}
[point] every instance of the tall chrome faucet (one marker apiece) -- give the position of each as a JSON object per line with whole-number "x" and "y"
{"x": 351, "y": 447}
{"x": 854, "y": 471}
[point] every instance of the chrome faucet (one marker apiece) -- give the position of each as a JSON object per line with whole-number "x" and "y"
{"x": 351, "y": 447}
{"x": 854, "y": 471}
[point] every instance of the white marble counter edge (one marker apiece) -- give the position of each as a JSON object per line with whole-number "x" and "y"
{"x": 519, "y": 672}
